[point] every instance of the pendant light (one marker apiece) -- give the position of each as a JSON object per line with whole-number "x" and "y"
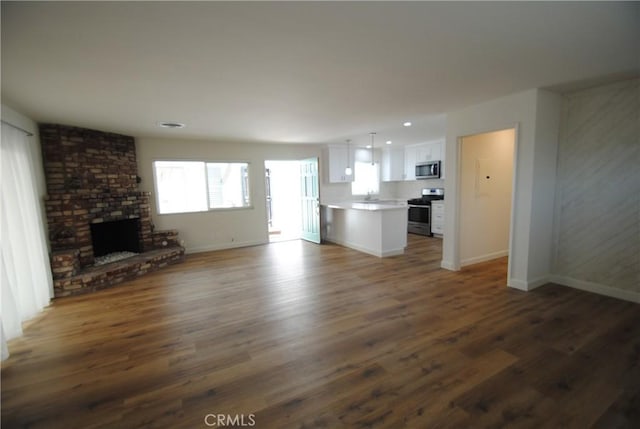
{"x": 372, "y": 134}
{"x": 348, "y": 171}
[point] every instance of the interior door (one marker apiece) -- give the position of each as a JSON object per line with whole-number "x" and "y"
{"x": 310, "y": 197}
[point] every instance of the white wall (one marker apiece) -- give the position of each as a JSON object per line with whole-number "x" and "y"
{"x": 531, "y": 238}
{"x": 597, "y": 217}
{"x": 226, "y": 228}
{"x": 545, "y": 156}
{"x": 485, "y": 203}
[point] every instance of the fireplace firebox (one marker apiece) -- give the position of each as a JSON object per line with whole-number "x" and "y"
{"x": 116, "y": 236}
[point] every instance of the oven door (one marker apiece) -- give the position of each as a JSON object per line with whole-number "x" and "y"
{"x": 419, "y": 214}
{"x": 419, "y": 220}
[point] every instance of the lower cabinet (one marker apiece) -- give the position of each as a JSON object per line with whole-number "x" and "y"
{"x": 437, "y": 217}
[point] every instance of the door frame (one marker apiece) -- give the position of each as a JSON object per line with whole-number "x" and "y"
{"x": 318, "y": 209}
{"x": 514, "y": 187}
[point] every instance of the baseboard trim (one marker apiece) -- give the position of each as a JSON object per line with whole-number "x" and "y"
{"x": 394, "y": 252}
{"x": 527, "y": 285}
{"x": 626, "y": 295}
{"x": 372, "y": 252}
{"x": 517, "y": 284}
{"x": 536, "y": 283}
{"x": 223, "y": 246}
{"x": 448, "y": 265}
{"x": 484, "y": 258}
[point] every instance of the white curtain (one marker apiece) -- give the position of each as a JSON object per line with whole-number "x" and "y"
{"x": 24, "y": 271}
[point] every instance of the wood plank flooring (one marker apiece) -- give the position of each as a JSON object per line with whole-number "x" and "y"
{"x": 295, "y": 335}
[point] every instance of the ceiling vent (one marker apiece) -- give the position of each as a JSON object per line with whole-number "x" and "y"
{"x": 171, "y": 124}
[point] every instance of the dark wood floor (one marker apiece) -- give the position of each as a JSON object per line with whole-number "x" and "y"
{"x": 307, "y": 336}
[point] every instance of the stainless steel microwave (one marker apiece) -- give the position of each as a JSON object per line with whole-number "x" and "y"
{"x": 428, "y": 170}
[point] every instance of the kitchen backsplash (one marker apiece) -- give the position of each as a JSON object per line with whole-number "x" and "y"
{"x": 413, "y": 188}
{"x": 338, "y": 192}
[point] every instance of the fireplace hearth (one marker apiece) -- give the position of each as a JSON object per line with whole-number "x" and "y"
{"x": 113, "y": 257}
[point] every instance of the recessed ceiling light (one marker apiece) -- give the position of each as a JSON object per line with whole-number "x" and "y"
{"x": 368, "y": 146}
{"x": 407, "y": 124}
{"x": 171, "y": 124}
{"x": 389, "y": 142}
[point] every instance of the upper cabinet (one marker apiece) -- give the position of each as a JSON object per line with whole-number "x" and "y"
{"x": 393, "y": 168}
{"x": 339, "y": 157}
{"x": 410, "y": 156}
{"x": 398, "y": 163}
{"x": 423, "y": 152}
{"x": 429, "y": 152}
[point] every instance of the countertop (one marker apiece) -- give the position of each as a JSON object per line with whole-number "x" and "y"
{"x": 369, "y": 205}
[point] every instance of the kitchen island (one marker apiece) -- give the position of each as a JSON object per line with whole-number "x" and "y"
{"x": 378, "y": 228}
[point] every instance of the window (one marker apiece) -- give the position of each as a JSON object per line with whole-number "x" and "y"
{"x": 195, "y": 186}
{"x": 366, "y": 179}
{"x": 228, "y": 185}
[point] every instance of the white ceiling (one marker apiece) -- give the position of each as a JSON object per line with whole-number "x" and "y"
{"x": 298, "y": 71}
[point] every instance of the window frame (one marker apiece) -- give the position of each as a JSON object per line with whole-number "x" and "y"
{"x": 377, "y": 167}
{"x": 206, "y": 179}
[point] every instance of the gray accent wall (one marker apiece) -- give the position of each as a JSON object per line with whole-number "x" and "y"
{"x": 597, "y": 210}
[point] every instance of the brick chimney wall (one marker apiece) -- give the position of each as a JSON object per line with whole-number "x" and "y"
{"x": 91, "y": 177}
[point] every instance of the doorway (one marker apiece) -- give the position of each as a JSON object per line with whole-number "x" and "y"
{"x": 293, "y": 200}
{"x": 284, "y": 200}
{"x": 486, "y": 192}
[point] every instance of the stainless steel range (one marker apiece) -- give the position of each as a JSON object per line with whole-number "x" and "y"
{"x": 420, "y": 211}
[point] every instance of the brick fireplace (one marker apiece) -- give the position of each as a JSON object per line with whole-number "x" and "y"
{"x": 92, "y": 179}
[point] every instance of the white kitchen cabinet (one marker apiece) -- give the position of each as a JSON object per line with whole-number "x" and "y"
{"x": 437, "y": 152}
{"x": 423, "y": 152}
{"x": 410, "y": 162}
{"x": 339, "y": 158}
{"x": 393, "y": 168}
{"x": 437, "y": 217}
{"x": 431, "y": 151}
